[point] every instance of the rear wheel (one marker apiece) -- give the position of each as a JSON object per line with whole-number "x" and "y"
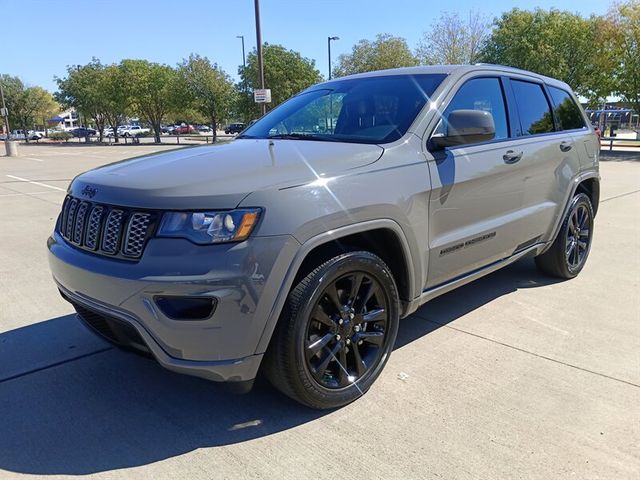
{"x": 568, "y": 254}
{"x": 336, "y": 331}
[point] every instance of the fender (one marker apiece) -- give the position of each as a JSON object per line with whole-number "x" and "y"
{"x": 578, "y": 179}
{"x": 318, "y": 240}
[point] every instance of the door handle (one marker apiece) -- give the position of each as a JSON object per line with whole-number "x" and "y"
{"x": 566, "y": 146}
{"x": 512, "y": 157}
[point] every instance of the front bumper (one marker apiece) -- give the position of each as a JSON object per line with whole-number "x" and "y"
{"x": 244, "y": 279}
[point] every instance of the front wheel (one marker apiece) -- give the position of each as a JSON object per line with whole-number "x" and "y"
{"x": 336, "y": 331}
{"x": 568, "y": 254}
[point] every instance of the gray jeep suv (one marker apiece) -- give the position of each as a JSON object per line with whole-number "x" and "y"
{"x": 298, "y": 247}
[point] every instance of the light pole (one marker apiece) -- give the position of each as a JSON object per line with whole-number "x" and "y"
{"x": 329, "y": 39}
{"x": 244, "y": 65}
{"x": 244, "y": 58}
{"x": 5, "y": 114}
{"x": 259, "y": 49}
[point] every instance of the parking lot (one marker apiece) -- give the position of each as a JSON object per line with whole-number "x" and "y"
{"x": 513, "y": 376}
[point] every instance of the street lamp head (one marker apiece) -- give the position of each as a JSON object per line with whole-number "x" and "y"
{"x": 239, "y": 36}
{"x": 334, "y": 38}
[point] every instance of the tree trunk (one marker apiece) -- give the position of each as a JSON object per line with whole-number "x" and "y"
{"x": 214, "y": 129}
{"x": 156, "y": 131}
{"x": 25, "y": 132}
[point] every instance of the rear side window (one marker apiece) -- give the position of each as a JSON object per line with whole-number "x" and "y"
{"x": 566, "y": 110}
{"x": 533, "y": 108}
{"x": 482, "y": 94}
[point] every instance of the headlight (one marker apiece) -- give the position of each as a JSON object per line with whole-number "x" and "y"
{"x": 210, "y": 227}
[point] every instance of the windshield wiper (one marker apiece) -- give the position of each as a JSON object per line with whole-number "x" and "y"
{"x": 301, "y": 136}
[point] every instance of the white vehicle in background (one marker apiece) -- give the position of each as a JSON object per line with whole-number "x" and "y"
{"x": 20, "y": 135}
{"x": 132, "y": 131}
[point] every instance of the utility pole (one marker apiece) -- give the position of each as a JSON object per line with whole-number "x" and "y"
{"x": 5, "y": 114}
{"x": 263, "y": 106}
{"x": 329, "y": 39}
{"x": 7, "y": 143}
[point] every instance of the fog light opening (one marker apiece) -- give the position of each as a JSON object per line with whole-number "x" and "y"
{"x": 186, "y": 308}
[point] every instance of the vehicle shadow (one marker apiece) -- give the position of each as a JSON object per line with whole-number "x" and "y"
{"x": 104, "y": 409}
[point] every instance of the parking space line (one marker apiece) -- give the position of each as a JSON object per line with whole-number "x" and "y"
{"x": 37, "y": 183}
{"x": 17, "y": 194}
{"x": 33, "y": 158}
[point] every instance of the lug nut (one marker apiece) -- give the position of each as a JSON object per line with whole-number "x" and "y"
{"x": 357, "y": 328}
{"x": 360, "y": 342}
{"x": 351, "y": 315}
{"x": 338, "y": 337}
{"x": 340, "y": 322}
{"x": 348, "y": 341}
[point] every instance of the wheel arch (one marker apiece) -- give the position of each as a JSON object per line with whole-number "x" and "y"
{"x": 590, "y": 187}
{"x": 587, "y": 183}
{"x": 384, "y": 238}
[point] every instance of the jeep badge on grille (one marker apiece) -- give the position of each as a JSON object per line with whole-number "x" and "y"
{"x": 89, "y": 191}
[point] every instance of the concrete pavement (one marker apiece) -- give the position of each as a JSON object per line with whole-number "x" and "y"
{"x": 513, "y": 376}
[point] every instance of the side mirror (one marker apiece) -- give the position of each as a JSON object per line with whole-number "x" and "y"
{"x": 464, "y": 127}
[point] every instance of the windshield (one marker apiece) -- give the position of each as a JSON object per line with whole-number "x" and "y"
{"x": 360, "y": 110}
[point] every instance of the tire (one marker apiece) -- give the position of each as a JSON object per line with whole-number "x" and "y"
{"x": 324, "y": 357}
{"x": 569, "y": 252}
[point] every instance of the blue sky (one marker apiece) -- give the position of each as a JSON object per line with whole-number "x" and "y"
{"x": 47, "y": 35}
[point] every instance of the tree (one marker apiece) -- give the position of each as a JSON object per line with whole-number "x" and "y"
{"x": 286, "y": 73}
{"x": 452, "y": 40}
{"x": 558, "y": 44}
{"x": 211, "y": 89}
{"x": 82, "y": 89}
{"x": 117, "y": 96}
{"x": 27, "y": 105}
{"x": 625, "y": 32}
{"x": 386, "y": 51}
{"x": 156, "y": 91}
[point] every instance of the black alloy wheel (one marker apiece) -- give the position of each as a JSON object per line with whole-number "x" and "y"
{"x": 336, "y": 331}
{"x": 346, "y": 330}
{"x": 568, "y": 253}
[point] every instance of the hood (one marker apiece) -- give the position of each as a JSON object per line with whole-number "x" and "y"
{"x": 218, "y": 176}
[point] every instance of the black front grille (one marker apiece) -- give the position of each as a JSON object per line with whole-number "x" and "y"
{"x": 105, "y": 229}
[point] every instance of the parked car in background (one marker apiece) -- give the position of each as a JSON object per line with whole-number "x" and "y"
{"x": 234, "y": 128}
{"x": 133, "y": 131}
{"x": 184, "y": 129}
{"x": 82, "y": 132}
{"x": 20, "y": 135}
{"x": 204, "y": 128}
{"x": 296, "y": 253}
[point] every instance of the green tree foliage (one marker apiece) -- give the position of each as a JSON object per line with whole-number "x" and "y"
{"x": 454, "y": 40}
{"x": 286, "y": 73}
{"x": 83, "y": 89}
{"x": 554, "y": 43}
{"x": 624, "y": 33}
{"x": 211, "y": 90}
{"x": 156, "y": 91}
{"x": 386, "y": 51}
{"x": 115, "y": 90}
{"x": 28, "y": 106}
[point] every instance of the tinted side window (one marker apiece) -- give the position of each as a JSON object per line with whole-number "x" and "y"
{"x": 566, "y": 110}
{"x": 482, "y": 94}
{"x": 533, "y": 107}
